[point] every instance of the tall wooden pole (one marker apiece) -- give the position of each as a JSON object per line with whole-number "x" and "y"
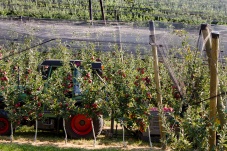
{"x": 212, "y": 47}
{"x": 213, "y": 86}
{"x": 157, "y": 77}
{"x": 220, "y": 105}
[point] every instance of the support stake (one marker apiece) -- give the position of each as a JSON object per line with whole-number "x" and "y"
{"x": 213, "y": 87}
{"x": 157, "y": 78}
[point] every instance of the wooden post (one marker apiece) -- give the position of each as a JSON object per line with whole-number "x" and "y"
{"x": 208, "y": 48}
{"x": 157, "y": 78}
{"x": 220, "y": 106}
{"x": 90, "y": 11}
{"x": 102, "y": 10}
{"x": 213, "y": 86}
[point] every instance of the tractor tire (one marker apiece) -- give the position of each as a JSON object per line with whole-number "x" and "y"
{"x": 79, "y": 126}
{"x": 4, "y": 124}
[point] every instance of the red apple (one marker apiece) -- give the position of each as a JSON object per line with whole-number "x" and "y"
{"x": 39, "y": 88}
{"x": 136, "y": 99}
{"x": 70, "y": 85}
{"x": 29, "y": 71}
{"x": 18, "y": 122}
{"x": 17, "y": 105}
{"x": 94, "y": 105}
{"x": 123, "y": 75}
{"x": 142, "y": 71}
{"x": 60, "y": 104}
{"x": 88, "y": 75}
{"x": 39, "y": 104}
{"x": 98, "y": 60}
{"x": 126, "y": 95}
{"x": 66, "y": 91}
{"x": 136, "y": 83}
{"x": 40, "y": 114}
{"x": 25, "y": 117}
{"x": 149, "y": 95}
{"x": 87, "y": 106}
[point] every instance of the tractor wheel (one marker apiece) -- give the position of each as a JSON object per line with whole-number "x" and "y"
{"x": 79, "y": 126}
{"x": 4, "y": 124}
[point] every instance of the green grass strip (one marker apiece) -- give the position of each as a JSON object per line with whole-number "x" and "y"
{"x": 26, "y": 147}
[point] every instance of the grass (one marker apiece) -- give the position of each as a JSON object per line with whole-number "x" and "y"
{"x": 26, "y": 147}
{"x": 194, "y": 12}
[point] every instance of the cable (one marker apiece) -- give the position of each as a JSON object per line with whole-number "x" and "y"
{"x": 220, "y": 94}
{"x": 39, "y": 44}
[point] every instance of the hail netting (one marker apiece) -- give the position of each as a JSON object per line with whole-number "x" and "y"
{"x": 132, "y": 38}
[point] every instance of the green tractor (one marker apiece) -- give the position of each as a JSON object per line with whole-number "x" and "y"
{"x": 77, "y": 126}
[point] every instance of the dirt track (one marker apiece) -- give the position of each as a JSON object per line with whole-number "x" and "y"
{"x": 130, "y": 36}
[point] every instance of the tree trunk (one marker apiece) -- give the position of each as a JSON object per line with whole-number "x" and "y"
{"x": 36, "y": 129}
{"x": 11, "y": 136}
{"x": 93, "y": 130}
{"x": 65, "y": 131}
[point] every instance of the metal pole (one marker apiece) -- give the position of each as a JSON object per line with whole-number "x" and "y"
{"x": 90, "y": 11}
{"x": 102, "y": 10}
{"x": 213, "y": 87}
{"x": 119, "y": 38}
{"x": 157, "y": 78}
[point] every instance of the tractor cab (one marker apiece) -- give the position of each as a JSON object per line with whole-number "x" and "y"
{"x": 48, "y": 66}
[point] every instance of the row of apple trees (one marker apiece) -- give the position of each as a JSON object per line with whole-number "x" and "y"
{"x": 125, "y": 90}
